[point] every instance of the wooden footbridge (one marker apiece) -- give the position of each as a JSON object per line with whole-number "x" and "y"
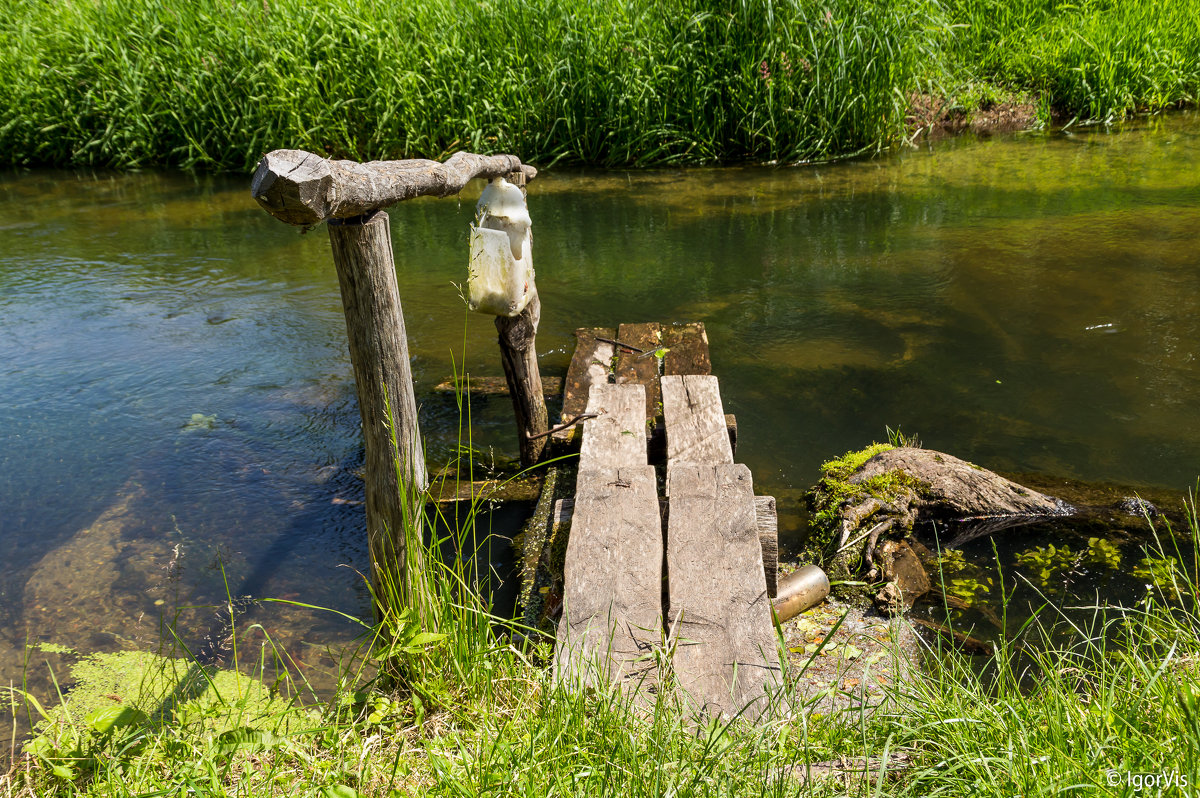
{"x": 682, "y": 580}
{"x": 670, "y": 562}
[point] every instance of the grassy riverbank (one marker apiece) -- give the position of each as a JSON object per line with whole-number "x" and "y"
{"x": 214, "y": 83}
{"x": 476, "y": 712}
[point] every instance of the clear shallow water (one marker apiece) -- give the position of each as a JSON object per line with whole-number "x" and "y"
{"x": 1027, "y": 303}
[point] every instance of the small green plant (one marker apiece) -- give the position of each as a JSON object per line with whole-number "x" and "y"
{"x": 898, "y": 439}
{"x": 1161, "y": 572}
{"x": 951, "y": 561}
{"x": 1102, "y": 553}
{"x": 968, "y": 590}
{"x": 1048, "y": 565}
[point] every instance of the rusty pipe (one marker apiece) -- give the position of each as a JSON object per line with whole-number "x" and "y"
{"x": 800, "y": 590}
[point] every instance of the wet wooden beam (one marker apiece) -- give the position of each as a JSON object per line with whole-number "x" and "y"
{"x": 493, "y": 386}
{"x": 591, "y": 364}
{"x": 637, "y": 364}
{"x": 523, "y": 489}
{"x": 687, "y": 349}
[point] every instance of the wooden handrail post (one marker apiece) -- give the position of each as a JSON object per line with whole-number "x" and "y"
{"x": 518, "y": 355}
{"x": 305, "y": 189}
{"x": 362, "y": 253}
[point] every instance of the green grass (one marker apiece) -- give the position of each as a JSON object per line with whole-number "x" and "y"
{"x": 218, "y": 82}
{"x": 215, "y": 83}
{"x": 1094, "y": 59}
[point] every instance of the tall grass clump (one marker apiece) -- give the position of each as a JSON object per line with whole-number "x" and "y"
{"x": 1095, "y": 59}
{"x": 215, "y": 83}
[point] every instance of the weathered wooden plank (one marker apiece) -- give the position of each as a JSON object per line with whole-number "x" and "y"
{"x": 725, "y": 654}
{"x": 591, "y": 364}
{"x": 523, "y": 489}
{"x": 656, "y": 443}
{"x": 612, "y": 579}
{"x": 687, "y": 349}
{"x": 767, "y": 522}
{"x": 492, "y": 386}
{"x": 617, "y": 435}
{"x": 696, "y": 431}
{"x": 640, "y": 367}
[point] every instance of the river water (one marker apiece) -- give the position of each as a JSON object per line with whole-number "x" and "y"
{"x": 177, "y": 406}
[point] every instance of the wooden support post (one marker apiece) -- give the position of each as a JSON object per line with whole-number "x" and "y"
{"x": 518, "y": 355}
{"x": 362, "y": 253}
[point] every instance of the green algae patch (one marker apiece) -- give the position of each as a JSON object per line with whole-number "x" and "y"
{"x": 125, "y": 697}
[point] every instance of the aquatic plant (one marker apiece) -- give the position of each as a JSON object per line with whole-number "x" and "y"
{"x": 1160, "y": 572}
{"x": 950, "y": 561}
{"x": 1048, "y": 564}
{"x": 1102, "y": 553}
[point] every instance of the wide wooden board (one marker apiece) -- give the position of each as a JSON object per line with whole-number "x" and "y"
{"x": 640, "y": 367}
{"x": 617, "y": 435}
{"x": 612, "y": 580}
{"x": 695, "y": 421}
{"x": 687, "y": 349}
{"x": 725, "y": 654}
{"x": 590, "y": 365}
{"x": 765, "y": 519}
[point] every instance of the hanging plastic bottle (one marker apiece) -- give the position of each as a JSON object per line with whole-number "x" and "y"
{"x": 500, "y": 271}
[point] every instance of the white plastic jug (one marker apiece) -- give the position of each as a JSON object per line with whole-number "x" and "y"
{"x": 500, "y": 272}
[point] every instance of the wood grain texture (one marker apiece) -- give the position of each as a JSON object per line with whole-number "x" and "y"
{"x": 767, "y": 521}
{"x": 524, "y": 489}
{"x": 304, "y": 189}
{"x": 362, "y": 254}
{"x": 591, "y": 364}
{"x": 617, "y": 435}
{"x": 687, "y": 349}
{"x": 518, "y": 355}
{"x": 695, "y": 421}
{"x": 725, "y": 654}
{"x": 640, "y": 368}
{"x": 657, "y": 441}
{"x": 612, "y": 580}
{"x": 492, "y": 386}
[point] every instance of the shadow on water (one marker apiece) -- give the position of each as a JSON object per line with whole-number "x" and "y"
{"x": 1074, "y": 574}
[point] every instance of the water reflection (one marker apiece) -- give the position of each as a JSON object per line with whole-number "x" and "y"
{"x": 1028, "y": 303}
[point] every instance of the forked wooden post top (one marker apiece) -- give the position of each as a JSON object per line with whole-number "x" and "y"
{"x": 304, "y": 189}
